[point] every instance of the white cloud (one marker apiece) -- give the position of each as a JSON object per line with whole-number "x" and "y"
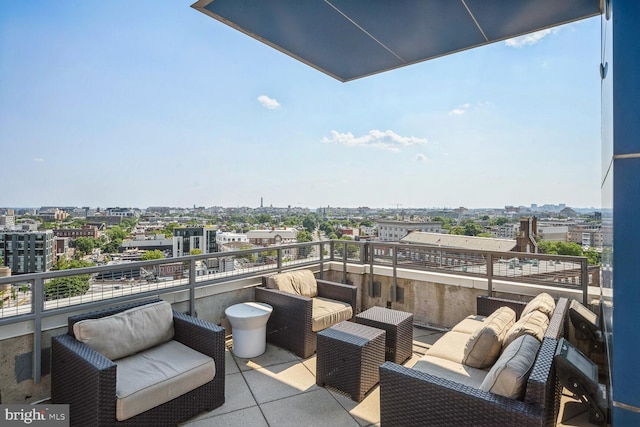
{"x": 421, "y": 158}
{"x": 38, "y": 159}
{"x": 530, "y": 39}
{"x": 267, "y": 102}
{"x": 387, "y": 140}
{"x": 460, "y": 110}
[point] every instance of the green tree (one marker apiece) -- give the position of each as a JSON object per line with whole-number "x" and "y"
{"x": 69, "y": 286}
{"x": 154, "y": 254}
{"x": 501, "y": 220}
{"x": 116, "y": 233}
{"x": 85, "y": 245}
{"x": 309, "y": 223}
{"x": 593, "y": 256}
{"x": 304, "y": 236}
{"x": 168, "y": 229}
{"x": 195, "y": 252}
{"x": 66, "y": 287}
{"x": 366, "y": 223}
{"x": 560, "y": 248}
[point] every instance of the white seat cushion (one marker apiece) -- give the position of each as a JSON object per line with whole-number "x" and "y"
{"x": 450, "y": 346}
{"x": 509, "y": 375}
{"x": 452, "y": 371}
{"x": 470, "y": 324}
{"x": 327, "y": 312}
{"x": 158, "y": 375}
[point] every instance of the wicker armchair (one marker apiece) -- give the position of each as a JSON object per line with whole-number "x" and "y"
{"x": 290, "y": 324}
{"x": 412, "y": 398}
{"x": 86, "y": 380}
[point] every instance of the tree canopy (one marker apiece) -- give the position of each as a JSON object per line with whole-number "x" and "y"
{"x": 85, "y": 245}
{"x": 153, "y": 254}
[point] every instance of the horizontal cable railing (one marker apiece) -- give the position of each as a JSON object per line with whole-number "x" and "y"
{"x": 40, "y": 295}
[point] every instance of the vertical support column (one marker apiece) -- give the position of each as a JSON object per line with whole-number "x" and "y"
{"x": 620, "y": 187}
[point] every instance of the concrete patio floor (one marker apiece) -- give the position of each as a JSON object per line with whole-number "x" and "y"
{"x": 279, "y": 389}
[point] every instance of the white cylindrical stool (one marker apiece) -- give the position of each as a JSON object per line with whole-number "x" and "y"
{"x": 249, "y": 328}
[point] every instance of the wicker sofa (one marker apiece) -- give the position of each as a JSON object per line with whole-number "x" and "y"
{"x": 138, "y": 364}
{"x": 302, "y": 306}
{"x": 413, "y": 397}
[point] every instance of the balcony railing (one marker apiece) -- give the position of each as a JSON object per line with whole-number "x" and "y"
{"x": 34, "y": 297}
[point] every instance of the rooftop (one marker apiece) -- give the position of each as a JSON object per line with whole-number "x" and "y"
{"x": 279, "y": 389}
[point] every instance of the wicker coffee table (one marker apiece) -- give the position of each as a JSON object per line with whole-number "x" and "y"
{"x": 348, "y": 358}
{"x": 399, "y": 328}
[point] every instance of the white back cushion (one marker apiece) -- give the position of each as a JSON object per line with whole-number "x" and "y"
{"x": 299, "y": 282}
{"x": 127, "y": 332}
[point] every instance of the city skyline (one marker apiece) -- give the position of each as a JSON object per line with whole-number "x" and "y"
{"x": 147, "y": 104}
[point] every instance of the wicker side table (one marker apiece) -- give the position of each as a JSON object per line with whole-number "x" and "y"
{"x": 348, "y": 358}
{"x": 399, "y": 328}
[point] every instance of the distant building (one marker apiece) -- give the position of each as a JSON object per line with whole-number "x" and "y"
{"x": 61, "y": 248}
{"x": 186, "y": 239}
{"x": 74, "y": 233}
{"x": 27, "y": 252}
{"x": 505, "y": 231}
{"x": 556, "y": 233}
{"x": 123, "y": 212}
{"x": 104, "y": 219}
{"x": 460, "y": 242}
{"x": 7, "y": 221}
{"x": 586, "y": 235}
{"x": 53, "y": 215}
{"x": 273, "y": 236}
{"x": 226, "y": 237}
{"x": 394, "y": 231}
{"x": 148, "y": 243}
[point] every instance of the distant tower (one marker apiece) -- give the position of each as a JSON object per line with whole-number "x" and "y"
{"x": 261, "y": 206}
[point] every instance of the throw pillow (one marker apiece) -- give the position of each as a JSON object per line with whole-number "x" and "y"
{"x": 484, "y": 345}
{"x": 534, "y": 324}
{"x": 543, "y": 302}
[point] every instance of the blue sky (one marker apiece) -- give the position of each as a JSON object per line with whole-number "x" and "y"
{"x": 141, "y": 103}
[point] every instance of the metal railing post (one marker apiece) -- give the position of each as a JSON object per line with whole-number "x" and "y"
{"x": 37, "y": 306}
{"x": 344, "y": 262}
{"x": 321, "y": 249}
{"x": 490, "y": 274}
{"x": 279, "y": 260}
{"x": 371, "y": 260}
{"x": 192, "y": 283}
{"x": 584, "y": 281}
{"x": 394, "y": 289}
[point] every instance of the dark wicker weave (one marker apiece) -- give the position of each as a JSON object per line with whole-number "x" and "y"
{"x": 412, "y": 398}
{"x": 349, "y": 356}
{"x": 86, "y": 380}
{"x": 289, "y": 325}
{"x": 399, "y": 328}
